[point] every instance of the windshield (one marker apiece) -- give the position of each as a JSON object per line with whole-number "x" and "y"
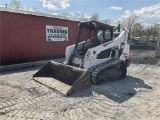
{"x": 104, "y": 35}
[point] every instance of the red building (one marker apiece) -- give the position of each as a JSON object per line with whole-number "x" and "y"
{"x": 30, "y": 36}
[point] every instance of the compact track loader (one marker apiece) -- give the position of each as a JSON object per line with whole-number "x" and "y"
{"x": 96, "y": 57}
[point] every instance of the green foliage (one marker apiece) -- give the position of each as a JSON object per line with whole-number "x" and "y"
{"x": 136, "y": 30}
{"x": 156, "y": 31}
{"x": 152, "y": 31}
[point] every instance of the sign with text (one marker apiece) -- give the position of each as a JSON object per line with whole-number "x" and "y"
{"x": 56, "y": 33}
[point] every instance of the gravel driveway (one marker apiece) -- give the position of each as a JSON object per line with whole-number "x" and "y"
{"x": 136, "y": 97}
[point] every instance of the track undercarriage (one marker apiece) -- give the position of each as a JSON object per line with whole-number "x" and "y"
{"x": 111, "y": 70}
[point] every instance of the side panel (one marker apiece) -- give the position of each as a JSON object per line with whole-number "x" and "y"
{"x": 91, "y": 55}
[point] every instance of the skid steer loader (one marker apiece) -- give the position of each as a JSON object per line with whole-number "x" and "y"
{"x": 96, "y": 57}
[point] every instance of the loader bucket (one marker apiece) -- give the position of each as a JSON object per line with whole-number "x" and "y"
{"x": 63, "y": 78}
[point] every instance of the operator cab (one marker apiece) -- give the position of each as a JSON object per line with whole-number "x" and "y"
{"x": 91, "y": 34}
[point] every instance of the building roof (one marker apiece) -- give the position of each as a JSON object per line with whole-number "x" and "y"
{"x": 25, "y": 12}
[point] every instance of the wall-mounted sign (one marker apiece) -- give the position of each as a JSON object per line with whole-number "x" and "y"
{"x": 56, "y": 33}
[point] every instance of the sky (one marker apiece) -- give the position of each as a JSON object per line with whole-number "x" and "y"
{"x": 147, "y": 10}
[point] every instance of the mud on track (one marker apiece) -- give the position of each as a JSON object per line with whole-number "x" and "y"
{"x": 135, "y": 97}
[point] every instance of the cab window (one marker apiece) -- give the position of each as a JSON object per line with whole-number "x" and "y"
{"x": 104, "y": 35}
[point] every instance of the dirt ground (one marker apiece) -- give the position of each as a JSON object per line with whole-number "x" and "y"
{"x": 134, "y": 98}
{"x": 145, "y": 55}
{"x": 137, "y": 97}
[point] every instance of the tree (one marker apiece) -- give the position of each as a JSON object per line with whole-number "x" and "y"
{"x": 159, "y": 32}
{"x": 107, "y": 21}
{"x": 152, "y": 31}
{"x": 129, "y": 21}
{"x": 156, "y": 31}
{"x": 16, "y": 4}
{"x": 95, "y": 17}
{"x": 136, "y": 30}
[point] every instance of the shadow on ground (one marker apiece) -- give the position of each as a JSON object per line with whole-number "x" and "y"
{"x": 119, "y": 91}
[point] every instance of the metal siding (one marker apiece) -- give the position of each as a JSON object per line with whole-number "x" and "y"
{"x": 0, "y": 38}
{"x": 24, "y": 38}
{"x": 5, "y": 46}
{"x": 15, "y": 42}
{"x": 29, "y": 38}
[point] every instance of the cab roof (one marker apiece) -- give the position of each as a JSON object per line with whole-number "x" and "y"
{"x": 95, "y": 24}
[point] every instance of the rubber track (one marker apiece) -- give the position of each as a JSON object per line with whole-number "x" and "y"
{"x": 96, "y": 70}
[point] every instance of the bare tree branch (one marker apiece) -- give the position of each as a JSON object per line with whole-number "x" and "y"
{"x": 129, "y": 22}
{"x": 16, "y": 4}
{"x": 95, "y": 17}
{"x": 107, "y": 21}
